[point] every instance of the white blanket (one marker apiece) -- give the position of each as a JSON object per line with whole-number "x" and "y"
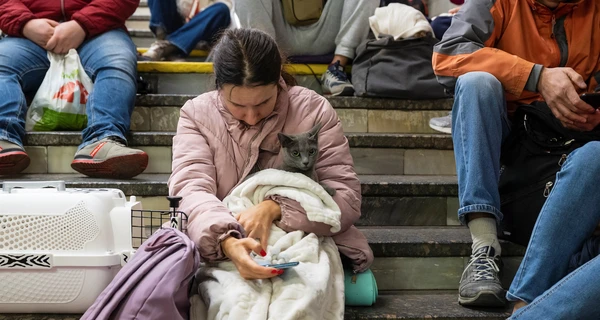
{"x": 312, "y": 290}
{"x": 399, "y": 20}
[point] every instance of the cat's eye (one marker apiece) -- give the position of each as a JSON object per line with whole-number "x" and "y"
{"x": 312, "y": 151}
{"x": 295, "y": 153}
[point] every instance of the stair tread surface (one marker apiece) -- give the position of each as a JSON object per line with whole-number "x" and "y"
{"x": 407, "y": 306}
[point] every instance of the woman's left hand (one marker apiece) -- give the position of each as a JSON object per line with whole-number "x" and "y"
{"x": 257, "y": 220}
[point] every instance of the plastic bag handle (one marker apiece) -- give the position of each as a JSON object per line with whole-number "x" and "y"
{"x": 7, "y": 186}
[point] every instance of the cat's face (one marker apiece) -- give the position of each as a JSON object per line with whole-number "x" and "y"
{"x": 301, "y": 150}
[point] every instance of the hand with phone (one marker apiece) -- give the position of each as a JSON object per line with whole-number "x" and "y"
{"x": 558, "y": 87}
{"x": 238, "y": 250}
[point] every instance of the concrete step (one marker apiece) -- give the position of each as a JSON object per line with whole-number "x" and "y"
{"x": 441, "y": 305}
{"x": 160, "y": 112}
{"x": 373, "y": 153}
{"x": 386, "y": 200}
{"x": 149, "y": 185}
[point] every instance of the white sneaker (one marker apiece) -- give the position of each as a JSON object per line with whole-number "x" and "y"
{"x": 335, "y": 81}
{"x": 442, "y": 124}
{"x": 160, "y": 50}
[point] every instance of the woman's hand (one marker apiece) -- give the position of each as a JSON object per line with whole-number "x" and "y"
{"x": 238, "y": 250}
{"x": 257, "y": 220}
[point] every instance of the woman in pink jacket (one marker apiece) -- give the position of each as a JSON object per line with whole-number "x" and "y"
{"x": 227, "y": 134}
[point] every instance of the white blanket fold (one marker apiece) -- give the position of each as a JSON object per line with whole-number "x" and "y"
{"x": 399, "y": 20}
{"x": 312, "y": 290}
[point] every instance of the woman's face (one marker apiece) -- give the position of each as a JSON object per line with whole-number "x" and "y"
{"x": 249, "y": 104}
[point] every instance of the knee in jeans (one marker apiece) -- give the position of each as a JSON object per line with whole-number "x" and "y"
{"x": 587, "y": 158}
{"x": 222, "y": 10}
{"x": 480, "y": 82}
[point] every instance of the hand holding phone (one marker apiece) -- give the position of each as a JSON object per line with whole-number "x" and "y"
{"x": 593, "y": 99}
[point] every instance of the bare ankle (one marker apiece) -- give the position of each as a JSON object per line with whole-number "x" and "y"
{"x": 518, "y": 305}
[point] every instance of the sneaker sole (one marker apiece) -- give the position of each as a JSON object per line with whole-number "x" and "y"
{"x": 123, "y": 167}
{"x": 13, "y": 162}
{"x": 483, "y": 299}
{"x": 441, "y": 129}
{"x": 348, "y": 91}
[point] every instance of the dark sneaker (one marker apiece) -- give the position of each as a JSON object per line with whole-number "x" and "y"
{"x": 160, "y": 50}
{"x": 109, "y": 158}
{"x": 13, "y": 158}
{"x": 480, "y": 283}
{"x": 335, "y": 81}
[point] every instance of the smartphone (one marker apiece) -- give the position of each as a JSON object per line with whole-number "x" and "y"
{"x": 281, "y": 265}
{"x": 593, "y": 99}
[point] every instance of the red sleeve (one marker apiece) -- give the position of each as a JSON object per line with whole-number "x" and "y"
{"x": 104, "y": 15}
{"x": 13, "y": 17}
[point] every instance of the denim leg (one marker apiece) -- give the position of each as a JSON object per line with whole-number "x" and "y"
{"x": 203, "y": 27}
{"x": 573, "y": 297}
{"x": 440, "y": 25}
{"x": 164, "y": 14}
{"x": 479, "y": 125}
{"x": 23, "y": 65}
{"x": 567, "y": 219}
{"x": 110, "y": 61}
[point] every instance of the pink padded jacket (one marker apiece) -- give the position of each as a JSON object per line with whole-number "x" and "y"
{"x": 213, "y": 152}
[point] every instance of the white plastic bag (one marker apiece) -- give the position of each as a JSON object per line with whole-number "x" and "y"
{"x": 59, "y": 103}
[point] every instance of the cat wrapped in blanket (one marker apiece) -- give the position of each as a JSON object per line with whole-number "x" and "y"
{"x": 300, "y": 153}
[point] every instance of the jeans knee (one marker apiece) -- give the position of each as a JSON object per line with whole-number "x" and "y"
{"x": 481, "y": 82}
{"x": 586, "y": 158}
{"x": 221, "y": 10}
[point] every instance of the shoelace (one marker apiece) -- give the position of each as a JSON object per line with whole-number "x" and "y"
{"x": 340, "y": 75}
{"x": 485, "y": 267}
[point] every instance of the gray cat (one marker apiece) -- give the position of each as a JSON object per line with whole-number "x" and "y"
{"x": 300, "y": 153}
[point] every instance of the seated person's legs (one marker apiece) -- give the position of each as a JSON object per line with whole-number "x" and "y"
{"x": 480, "y": 124}
{"x": 23, "y": 65}
{"x": 440, "y": 24}
{"x": 342, "y": 27}
{"x": 573, "y": 297}
{"x": 176, "y": 38}
{"x": 110, "y": 61}
{"x": 569, "y": 216}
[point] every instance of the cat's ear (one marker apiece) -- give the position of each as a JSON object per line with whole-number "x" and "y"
{"x": 314, "y": 132}
{"x": 284, "y": 139}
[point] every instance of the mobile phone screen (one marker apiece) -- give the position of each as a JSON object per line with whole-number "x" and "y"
{"x": 593, "y": 99}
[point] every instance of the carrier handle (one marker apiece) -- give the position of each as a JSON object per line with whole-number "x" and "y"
{"x": 7, "y": 186}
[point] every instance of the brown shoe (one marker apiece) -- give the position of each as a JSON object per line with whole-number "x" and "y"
{"x": 109, "y": 158}
{"x": 13, "y": 158}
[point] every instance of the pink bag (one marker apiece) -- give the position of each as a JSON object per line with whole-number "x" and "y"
{"x": 154, "y": 284}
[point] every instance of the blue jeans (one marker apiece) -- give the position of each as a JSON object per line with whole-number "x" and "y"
{"x": 440, "y": 25}
{"x": 566, "y": 221}
{"x": 204, "y": 26}
{"x": 479, "y": 125}
{"x": 573, "y": 297}
{"x": 108, "y": 59}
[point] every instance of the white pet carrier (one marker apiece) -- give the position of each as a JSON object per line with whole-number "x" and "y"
{"x": 59, "y": 248}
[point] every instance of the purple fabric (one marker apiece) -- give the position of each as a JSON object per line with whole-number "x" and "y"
{"x": 154, "y": 284}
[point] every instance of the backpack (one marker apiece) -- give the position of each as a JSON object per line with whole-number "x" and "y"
{"x": 400, "y": 69}
{"x": 155, "y": 284}
{"x": 532, "y": 154}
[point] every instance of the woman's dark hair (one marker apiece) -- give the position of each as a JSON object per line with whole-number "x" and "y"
{"x": 248, "y": 57}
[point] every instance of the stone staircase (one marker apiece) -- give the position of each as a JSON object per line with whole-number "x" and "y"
{"x": 407, "y": 175}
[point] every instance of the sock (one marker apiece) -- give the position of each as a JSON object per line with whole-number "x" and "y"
{"x": 483, "y": 233}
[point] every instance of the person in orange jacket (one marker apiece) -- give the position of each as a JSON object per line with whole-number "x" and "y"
{"x": 495, "y": 56}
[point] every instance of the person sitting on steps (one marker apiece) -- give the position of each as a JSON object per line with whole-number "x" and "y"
{"x": 495, "y": 56}
{"x": 96, "y": 28}
{"x": 176, "y": 36}
{"x": 343, "y": 25}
